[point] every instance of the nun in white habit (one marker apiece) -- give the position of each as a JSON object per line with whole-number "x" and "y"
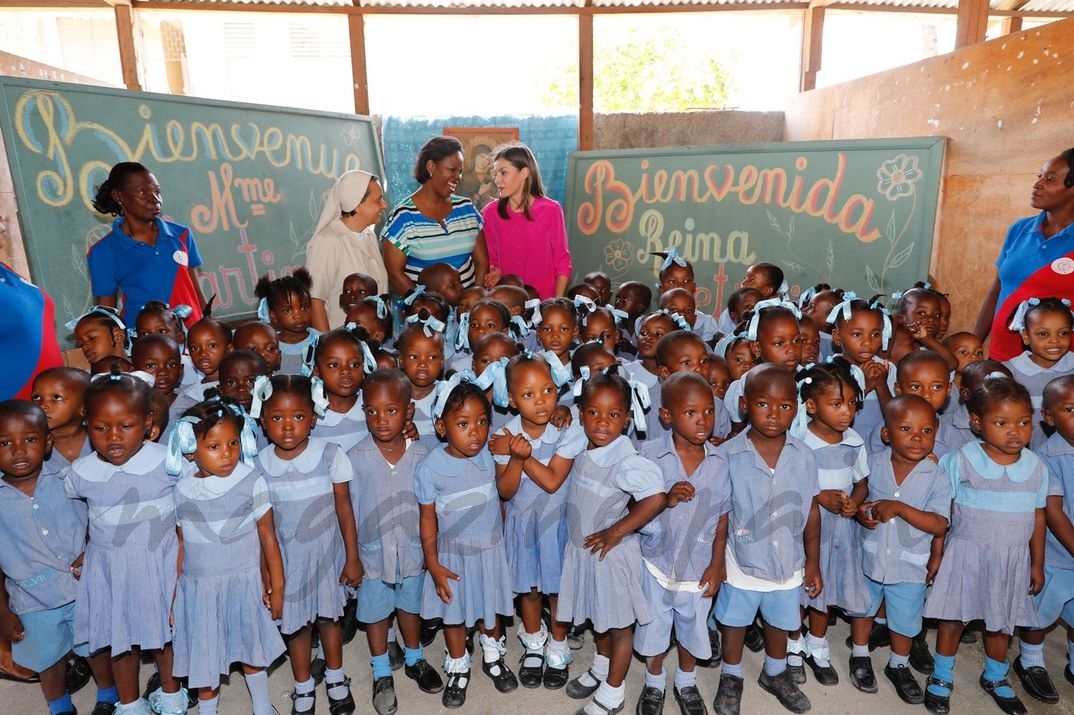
{"x": 345, "y": 242}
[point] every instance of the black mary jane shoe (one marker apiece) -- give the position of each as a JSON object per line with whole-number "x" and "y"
{"x": 1011, "y": 706}
{"x": 501, "y": 675}
{"x": 555, "y": 678}
{"x": 938, "y": 704}
{"x": 531, "y": 670}
{"x": 294, "y": 703}
{"x": 344, "y": 705}
{"x": 455, "y": 691}
{"x": 921, "y": 658}
{"x": 1036, "y": 682}
{"x": 577, "y": 690}
{"x": 78, "y": 674}
{"x": 823, "y": 674}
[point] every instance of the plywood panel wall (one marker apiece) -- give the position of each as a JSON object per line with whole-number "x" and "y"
{"x": 1006, "y": 106}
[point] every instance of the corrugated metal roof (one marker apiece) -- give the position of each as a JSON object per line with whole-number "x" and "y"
{"x": 1058, "y": 7}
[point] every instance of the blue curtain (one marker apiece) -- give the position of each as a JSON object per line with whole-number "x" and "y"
{"x": 550, "y": 138}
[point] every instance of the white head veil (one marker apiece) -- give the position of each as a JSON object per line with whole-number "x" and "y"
{"x": 344, "y": 196}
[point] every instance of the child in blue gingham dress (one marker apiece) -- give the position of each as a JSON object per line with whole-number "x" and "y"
{"x": 223, "y": 614}
{"x": 988, "y": 570}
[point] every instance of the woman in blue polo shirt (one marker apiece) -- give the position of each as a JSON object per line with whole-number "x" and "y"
{"x": 143, "y": 257}
{"x": 1037, "y": 258}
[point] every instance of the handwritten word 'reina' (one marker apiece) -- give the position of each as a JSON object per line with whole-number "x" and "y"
{"x": 45, "y": 123}
{"x": 613, "y": 202}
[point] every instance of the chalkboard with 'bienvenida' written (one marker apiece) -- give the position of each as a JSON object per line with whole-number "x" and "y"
{"x": 857, "y": 214}
{"x": 248, "y": 180}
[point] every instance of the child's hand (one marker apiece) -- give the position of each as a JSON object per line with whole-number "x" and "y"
{"x": 11, "y": 627}
{"x": 813, "y": 584}
{"x": 274, "y": 602}
{"x": 680, "y": 492}
{"x": 832, "y": 500}
{"x": 76, "y": 566}
{"x": 442, "y": 578}
{"x": 711, "y": 580}
{"x": 561, "y": 417}
{"x": 850, "y": 508}
{"x": 887, "y": 510}
{"x": 875, "y": 374}
{"x": 865, "y": 514}
{"x": 410, "y": 431}
{"x": 932, "y": 568}
{"x": 602, "y": 541}
{"x": 352, "y": 573}
{"x": 1036, "y": 579}
{"x": 519, "y": 448}
{"x": 933, "y": 458}
{"x": 918, "y": 330}
{"x": 499, "y": 443}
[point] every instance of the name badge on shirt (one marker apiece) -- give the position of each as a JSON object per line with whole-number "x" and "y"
{"x": 180, "y": 257}
{"x": 1063, "y": 266}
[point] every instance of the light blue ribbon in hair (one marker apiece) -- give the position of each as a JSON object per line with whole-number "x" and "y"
{"x": 383, "y": 311}
{"x": 430, "y": 324}
{"x": 369, "y": 362}
{"x": 262, "y": 391}
{"x": 618, "y": 316}
{"x": 444, "y": 389}
{"x": 535, "y": 316}
{"x": 561, "y": 374}
{"x": 462, "y": 338}
{"x": 720, "y": 348}
{"x": 583, "y": 376}
{"x": 588, "y": 304}
{"x": 419, "y": 290}
{"x": 263, "y": 310}
{"x": 680, "y": 322}
{"x": 856, "y": 372}
{"x": 751, "y": 329}
{"x": 639, "y": 403}
{"x": 842, "y": 307}
{"x": 495, "y": 376}
{"x": 521, "y": 329}
{"x": 104, "y": 310}
{"x": 783, "y": 291}
{"x": 805, "y": 296}
{"x": 672, "y": 256}
{"x": 181, "y": 443}
{"x": 320, "y": 399}
{"x": 1018, "y": 322}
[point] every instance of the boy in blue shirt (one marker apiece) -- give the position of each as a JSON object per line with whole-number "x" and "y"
{"x": 773, "y": 536}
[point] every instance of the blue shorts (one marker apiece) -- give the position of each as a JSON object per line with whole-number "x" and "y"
{"x": 683, "y": 611}
{"x": 378, "y": 600}
{"x": 905, "y": 602}
{"x": 1056, "y": 599}
{"x": 49, "y": 638}
{"x": 736, "y": 607}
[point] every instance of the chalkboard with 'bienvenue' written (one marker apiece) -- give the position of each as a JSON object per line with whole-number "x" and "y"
{"x": 857, "y": 214}
{"x": 247, "y": 180}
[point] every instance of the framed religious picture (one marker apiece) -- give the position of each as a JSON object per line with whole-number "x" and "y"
{"x": 478, "y": 143}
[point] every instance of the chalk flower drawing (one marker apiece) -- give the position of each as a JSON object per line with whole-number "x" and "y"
{"x": 618, "y": 255}
{"x": 896, "y": 177}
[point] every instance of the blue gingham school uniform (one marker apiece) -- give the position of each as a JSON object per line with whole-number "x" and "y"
{"x": 535, "y": 522}
{"x": 1056, "y": 599}
{"x": 304, "y": 512}
{"x": 423, "y": 417}
{"x": 220, "y": 618}
{"x": 607, "y": 592}
{"x": 1034, "y": 378}
{"x": 637, "y": 372}
{"x": 984, "y": 573}
{"x": 345, "y": 429}
{"x": 59, "y": 464}
{"x": 187, "y": 397}
{"x": 949, "y": 439}
{"x": 839, "y": 466}
{"x": 469, "y": 538}
{"x": 956, "y": 425}
{"x": 870, "y": 416}
{"x": 293, "y": 355}
{"x": 41, "y": 535}
{"x": 386, "y": 512}
{"x": 129, "y": 573}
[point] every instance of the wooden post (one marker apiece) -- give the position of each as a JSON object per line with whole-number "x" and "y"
{"x": 359, "y": 71}
{"x": 128, "y": 49}
{"x": 972, "y": 22}
{"x": 585, "y": 81}
{"x": 812, "y": 47}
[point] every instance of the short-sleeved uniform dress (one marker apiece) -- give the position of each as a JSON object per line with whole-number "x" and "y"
{"x": 220, "y": 618}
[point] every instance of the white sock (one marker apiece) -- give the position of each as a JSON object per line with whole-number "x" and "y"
{"x": 533, "y": 642}
{"x": 608, "y": 696}
{"x": 795, "y": 651}
{"x": 819, "y": 649}
{"x": 490, "y": 649}
{"x": 597, "y": 673}
{"x": 335, "y": 680}
{"x": 658, "y": 681}
{"x": 558, "y": 654}
{"x": 685, "y": 679}
{"x": 257, "y": 684}
{"x": 859, "y": 651}
{"x": 208, "y": 707}
{"x": 457, "y": 665}
{"x": 304, "y": 693}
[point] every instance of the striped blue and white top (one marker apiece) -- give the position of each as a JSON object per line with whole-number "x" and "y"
{"x": 425, "y": 241}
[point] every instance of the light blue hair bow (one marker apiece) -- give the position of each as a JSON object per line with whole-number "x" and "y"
{"x": 680, "y": 322}
{"x": 639, "y": 403}
{"x": 561, "y": 374}
{"x": 1018, "y": 322}
{"x": 495, "y": 376}
{"x": 462, "y": 338}
{"x": 430, "y": 324}
{"x": 582, "y": 302}
{"x": 444, "y": 388}
{"x": 519, "y": 323}
{"x": 369, "y": 362}
{"x": 261, "y": 391}
{"x": 672, "y": 256}
{"x": 583, "y": 376}
{"x": 618, "y": 316}
{"x": 419, "y": 290}
{"x": 720, "y": 348}
{"x": 841, "y": 308}
{"x": 534, "y": 304}
{"x": 181, "y": 442}
{"x": 751, "y": 329}
{"x": 805, "y": 296}
{"x": 383, "y": 311}
{"x": 263, "y": 310}
{"x": 104, "y": 310}
{"x": 783, "y": 291}
{"x": 856, "y": 372}
{"x": 320, "y": 399}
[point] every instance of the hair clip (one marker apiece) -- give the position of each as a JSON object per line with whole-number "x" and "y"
{"x": 462, "y": 337}
{"x": 418, "y": 291}
{"x": 430, "y": 324}
{"x": 670, "y": 256}
{"x": 263, "y": 310}
{"x": 842, "y": 308}
{"x": 755, "y": 319}
{"x": 494, "y": 376}
{"x": 320, "y": 398}
{"x": 108, "y": 312}
{"x": 261, "y": 391}
{"x": 181, "y": 442}
{"x": 534, "y": 304}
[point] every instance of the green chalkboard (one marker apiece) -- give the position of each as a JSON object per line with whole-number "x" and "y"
{"x": 855, "y": 214}
{"x": 248, "y": 180}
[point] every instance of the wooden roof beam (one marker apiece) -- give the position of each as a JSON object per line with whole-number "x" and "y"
{"x": 972, "y": 22}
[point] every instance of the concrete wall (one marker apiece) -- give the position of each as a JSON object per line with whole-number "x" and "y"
{"x": 629, "y": 131}
{"x": 1006, "y": 106}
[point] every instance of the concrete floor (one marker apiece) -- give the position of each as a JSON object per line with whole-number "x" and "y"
{"x": 17, "y": 699}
